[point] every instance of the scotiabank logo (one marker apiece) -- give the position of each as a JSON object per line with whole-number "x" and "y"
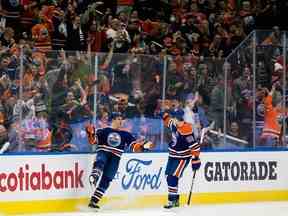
{"x": 26, "y": 180}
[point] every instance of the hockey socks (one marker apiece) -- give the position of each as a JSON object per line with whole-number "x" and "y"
{"x": 172, "y": 182}
{"x": 99, "y": 192}
{"x": 97, "y": 195}
{"x": 173, "y": 196}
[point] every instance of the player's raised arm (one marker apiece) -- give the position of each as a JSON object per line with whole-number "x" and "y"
{"x": 169, "y": 121}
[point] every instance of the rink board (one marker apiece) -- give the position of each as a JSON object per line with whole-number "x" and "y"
{"x": 52, "y": 183}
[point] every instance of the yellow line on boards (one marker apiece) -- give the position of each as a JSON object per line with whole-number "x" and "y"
{"x": 124, "y": 202}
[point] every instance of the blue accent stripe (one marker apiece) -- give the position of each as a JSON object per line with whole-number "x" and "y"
{"x": 44, "y": 153}
{"x": 259, "y": 149}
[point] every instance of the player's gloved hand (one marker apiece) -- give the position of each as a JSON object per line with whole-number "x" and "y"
{"x": 148, "y": 145}
{"x": 90, "y": 131}
{"x": 196, "y": 163}
{"x": 164, "y": 114}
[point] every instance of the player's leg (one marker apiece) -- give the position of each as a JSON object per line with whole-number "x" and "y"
{"x": 174, "y": 170}
{"x": 98, "y": 167}
{"x": 99, "y": 192}
{"x": 109, "y": 173}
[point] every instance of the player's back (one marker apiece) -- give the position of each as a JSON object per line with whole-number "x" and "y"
{"x": 182, "y": 141}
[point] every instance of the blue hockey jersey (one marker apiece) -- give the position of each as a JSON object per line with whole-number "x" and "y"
{"x": 183, "y": 144}
{"x": 114, "y": 141}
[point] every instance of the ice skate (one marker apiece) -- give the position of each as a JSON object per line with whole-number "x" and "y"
{"x": 172, "y": 204}
{"x": 93, "y": 206}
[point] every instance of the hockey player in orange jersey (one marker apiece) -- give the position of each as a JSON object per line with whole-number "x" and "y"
{"x": 183, "y": 148}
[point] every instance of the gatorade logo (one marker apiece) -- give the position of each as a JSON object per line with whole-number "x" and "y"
{"x": 240, "y": 171}
{"x": 26, "y": 180}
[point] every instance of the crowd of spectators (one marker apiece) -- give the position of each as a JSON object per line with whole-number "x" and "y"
{"x": 196, "y": 27}
{"x": 48, "y": 64}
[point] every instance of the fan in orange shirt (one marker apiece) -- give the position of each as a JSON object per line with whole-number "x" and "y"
{"x": 271, "y": 134}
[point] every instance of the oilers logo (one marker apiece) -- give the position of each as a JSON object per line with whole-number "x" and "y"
{"x": 114, "y": 139}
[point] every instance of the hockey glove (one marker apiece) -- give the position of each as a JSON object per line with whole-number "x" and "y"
{"x": 142, "y": 145}
{"x": 90, "y": 131}
{"x": 196, "y": 163}
{"x": 164, "y": 115}
{"x": 148, "y": 145}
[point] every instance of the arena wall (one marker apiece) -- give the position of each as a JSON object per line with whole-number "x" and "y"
{"x": 53, "y": 183}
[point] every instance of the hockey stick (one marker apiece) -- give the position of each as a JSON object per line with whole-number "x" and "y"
{"x": 228, "y": 137}
{"x": 4, "y": 147}
{"x": 203, "y": 133}
{"x": 205, "y": 130}
{"x": 191, "y": 188}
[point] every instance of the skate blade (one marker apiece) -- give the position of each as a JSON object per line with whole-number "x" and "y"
{"x": 84, "y": 208}
{"x": 173, "y": 211}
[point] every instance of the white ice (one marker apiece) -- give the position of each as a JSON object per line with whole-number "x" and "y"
{"x": 246, "y": 209}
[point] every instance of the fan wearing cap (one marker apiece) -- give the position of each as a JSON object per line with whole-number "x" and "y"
{"x": 111, "y": 142}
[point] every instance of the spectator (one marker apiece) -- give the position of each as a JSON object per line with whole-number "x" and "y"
{"x": 60, "y": 34}
{"x": 73, "y": 104}
{"x": 118, "y": 36}
{"x": 242, "y": 90}
{"x": 96, "y": 36}
{"x": 216, "y": 108}
{"x": 272, "y": 126}
{"x": 7, "y": 38}
{"x": 11, "y": 13}
{"x": 76, "y": 38}
{"x": 235, "y": 139}
{"x": 235, "y": 131}
{"x": 247, "y": 14}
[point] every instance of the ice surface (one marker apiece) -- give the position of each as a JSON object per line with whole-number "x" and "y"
{"x": 246, "y": 209}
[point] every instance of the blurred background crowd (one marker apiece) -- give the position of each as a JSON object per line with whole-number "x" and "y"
{"x": 64, "y": 63}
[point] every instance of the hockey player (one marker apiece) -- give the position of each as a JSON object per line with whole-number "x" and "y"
{"x": 182, "y": 148}
{"x": 111, "y": 142}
